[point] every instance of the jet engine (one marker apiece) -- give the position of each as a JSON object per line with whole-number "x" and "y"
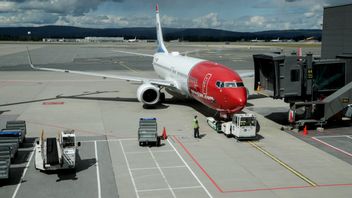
{"x": 148, "y": 94}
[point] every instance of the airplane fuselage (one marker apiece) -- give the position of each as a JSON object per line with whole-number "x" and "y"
{"x": 212, "y": 84}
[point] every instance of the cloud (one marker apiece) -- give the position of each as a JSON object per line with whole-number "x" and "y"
{"x": 237, "y": 15}
{"x": 69, "y": 7}
{"x": 92, "y": 21}
{"x": 256, "y": 21}
{"x": 210, "y": 20}
{"x": 7, "y": 6}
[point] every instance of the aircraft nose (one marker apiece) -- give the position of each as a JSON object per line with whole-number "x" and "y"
{"x": 239, "y": 98}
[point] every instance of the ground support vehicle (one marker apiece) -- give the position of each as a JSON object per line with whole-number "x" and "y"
{"x": 56, "y": 153}
{"x": 242, "y": 126}
{"x": 148, "y": 132}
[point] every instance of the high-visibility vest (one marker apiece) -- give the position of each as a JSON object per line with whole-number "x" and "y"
{"x": 195, "y": 123}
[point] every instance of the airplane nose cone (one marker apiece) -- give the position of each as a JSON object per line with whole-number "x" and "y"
{"x": 242, "y": 100}
{"x": 239, "y": 98}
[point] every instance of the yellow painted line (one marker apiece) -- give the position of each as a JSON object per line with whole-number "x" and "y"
{"x": 261, "y": 93}
{"x": 298, "y": 174}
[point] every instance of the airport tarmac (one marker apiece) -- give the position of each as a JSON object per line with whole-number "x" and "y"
{"x": 105, "y": 115}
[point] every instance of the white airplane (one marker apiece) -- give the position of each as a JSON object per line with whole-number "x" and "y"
{"x": 256, "y": 40}
{"x": 212, "y": 84}
{"x": 132, "y": 40}
{"x": 275, "y": 40}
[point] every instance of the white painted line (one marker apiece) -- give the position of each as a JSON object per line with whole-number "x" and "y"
{"x": 97, "y": 166}
{"x": 331, "y": 136}
{"x": 349, "y": 137}
{"x": 162, "y": 173}
{"x": 129, "y": 170}
{"x": 109, "y": 140}
{"x": 151, "y": 168}
{"x": 177, "y": 188}
{"x": 140, "y": 152}
{"x": 333, "y": 147}
{"x": 23, "y": 174}
{"x": 194, "y": 175}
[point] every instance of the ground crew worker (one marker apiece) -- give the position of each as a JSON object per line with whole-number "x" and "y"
{"x": 196, "y": 127}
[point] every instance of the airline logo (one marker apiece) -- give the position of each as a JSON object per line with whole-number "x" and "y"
{"x": 205, "y": 83}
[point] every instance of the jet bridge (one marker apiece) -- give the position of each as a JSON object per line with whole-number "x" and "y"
{"x": 317, "y": 90}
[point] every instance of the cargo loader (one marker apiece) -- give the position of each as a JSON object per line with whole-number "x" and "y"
{"x": 56, "y": 153}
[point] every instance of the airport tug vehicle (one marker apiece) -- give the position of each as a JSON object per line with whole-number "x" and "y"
{"x": 242, "y": 126}
{"x": 57, "y": 153}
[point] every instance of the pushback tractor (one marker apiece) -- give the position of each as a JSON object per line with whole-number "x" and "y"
{"x": 242, "y": 126}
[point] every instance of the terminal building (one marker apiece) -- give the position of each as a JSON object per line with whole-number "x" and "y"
{"x": 337, "y": 31}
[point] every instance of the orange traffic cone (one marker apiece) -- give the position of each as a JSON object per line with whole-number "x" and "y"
{"x": 305, "y": 132}
{"x": 164, "y": 135}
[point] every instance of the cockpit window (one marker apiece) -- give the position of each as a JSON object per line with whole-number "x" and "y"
{"x": 219, "y": 84}
{"x": 230, "y": 84}
{"x": 233, "y": 84}
{"x": 240, "y": 84}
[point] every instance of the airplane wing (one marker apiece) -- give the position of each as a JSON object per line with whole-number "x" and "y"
{"x": 134, "y": 53}
{"x": 157, "y": 82}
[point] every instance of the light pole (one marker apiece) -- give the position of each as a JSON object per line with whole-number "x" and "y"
{"x": 29, "y": 35}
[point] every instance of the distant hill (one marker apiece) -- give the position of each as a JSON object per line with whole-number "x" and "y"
{"x": 188, "y": 34}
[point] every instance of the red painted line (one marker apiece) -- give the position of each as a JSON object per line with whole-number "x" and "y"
{"x": 331, "y": 146}
{"x": 334, "y": 185}
{"x": 249, "y": 190}
{"x": 267, "y": 189}
{"x": 198, "y": 164}
{"x": 53, "y": 103}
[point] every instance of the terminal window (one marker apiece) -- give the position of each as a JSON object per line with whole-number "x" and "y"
{"x": 295, "y": 75}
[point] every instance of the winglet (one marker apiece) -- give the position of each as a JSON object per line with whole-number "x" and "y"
{"x": 157, "y": 8}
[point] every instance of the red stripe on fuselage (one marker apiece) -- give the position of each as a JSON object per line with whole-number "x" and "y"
{"x": 202, "y": 86}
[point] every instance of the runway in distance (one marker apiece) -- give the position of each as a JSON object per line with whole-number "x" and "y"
{"x": 214, "y": 85}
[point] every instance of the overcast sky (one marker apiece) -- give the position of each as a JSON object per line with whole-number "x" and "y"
{"x": 234, "y": 15}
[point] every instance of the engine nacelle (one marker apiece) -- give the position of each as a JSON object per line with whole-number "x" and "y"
{"x": 148, "y": 94}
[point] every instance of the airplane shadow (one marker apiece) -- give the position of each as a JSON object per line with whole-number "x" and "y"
{"x": 256, "y": 96}
{"x": 71, "y": 174}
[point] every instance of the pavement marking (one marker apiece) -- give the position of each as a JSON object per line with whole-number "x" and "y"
{"x": 109, "y": 140}
{"x": 194, "y": 175}
{"x": 298, "y": 174}
{"x": 140, "y": 152}
{"x": 198, "y": 164}
{"x": 129, "y": 170}
{"x": 331, "y": 146}
{"x": 331, "y": 136}
{"x": 349, "y": 137}
{"x": 151, "y": 168}
{"x": 177, "y": 188}
{"x": 97, "y": 166}
{"x": 23, "y": 174}
{"x": 126, "y": 66}
{"x": 162, "y": 173}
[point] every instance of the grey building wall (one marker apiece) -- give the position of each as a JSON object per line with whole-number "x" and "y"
{"x": 337, "y": 31}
